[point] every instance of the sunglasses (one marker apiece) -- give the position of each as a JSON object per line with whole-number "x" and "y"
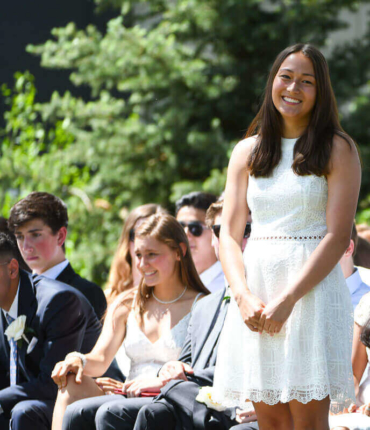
{"x": 247, "y": 232}
{"x": 131, "y": 235}
{"x": 196, "y": 228}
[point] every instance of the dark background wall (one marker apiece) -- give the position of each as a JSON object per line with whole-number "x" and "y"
{"x": 24, "y": 22}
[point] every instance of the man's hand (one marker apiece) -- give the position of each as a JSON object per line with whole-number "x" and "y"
{"x": 135, "y": 387}
{"x": 175, "y": 370}
{"x": 245, "y": 416}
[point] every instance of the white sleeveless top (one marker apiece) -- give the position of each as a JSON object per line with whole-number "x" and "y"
{"x": 146, "y": 357}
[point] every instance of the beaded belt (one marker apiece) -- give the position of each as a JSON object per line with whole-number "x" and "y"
{"x": 288, "y": 238}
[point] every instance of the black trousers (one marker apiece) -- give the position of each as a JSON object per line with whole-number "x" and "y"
{"x": 103, "y": 413}
{"x": 30, "y": 415}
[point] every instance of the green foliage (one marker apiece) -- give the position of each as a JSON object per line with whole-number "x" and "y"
{"x": 174, "y": 85}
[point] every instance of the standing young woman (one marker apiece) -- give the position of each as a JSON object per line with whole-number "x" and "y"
{"x": 152, "y": 328}
{"x": 286, "y": 343}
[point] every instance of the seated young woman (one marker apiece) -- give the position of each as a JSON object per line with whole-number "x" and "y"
{"x": 123, "y": 274}
{"x": 152, "y": 323}
{"x": 358, "y": 415}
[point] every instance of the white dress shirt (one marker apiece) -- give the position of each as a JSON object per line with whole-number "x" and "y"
{"x": 56, "y": 270}
{"x": 213, "y": 277}
{"x": 356, "y": 287}
{"x": 13, "y": 311}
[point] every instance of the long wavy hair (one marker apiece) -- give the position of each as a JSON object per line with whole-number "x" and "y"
{"x": 120, "y": 275}
{"x": 166, "y": 229}
{"x": 313, "y": 149}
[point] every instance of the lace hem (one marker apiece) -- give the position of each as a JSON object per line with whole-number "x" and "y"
{"x": 288, "y": 238}
{"x": 272, "y": 397}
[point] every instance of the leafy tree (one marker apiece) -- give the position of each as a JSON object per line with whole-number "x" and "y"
{"x": 174, "y": 85}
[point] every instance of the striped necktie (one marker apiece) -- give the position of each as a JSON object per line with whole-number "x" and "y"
{"x": 13, "y": 355}
{"x": 36, "y": 279}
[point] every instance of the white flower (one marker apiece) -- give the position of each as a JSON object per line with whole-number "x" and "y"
{"x": 205, "y": 396}
{"x": 16, "y": 328}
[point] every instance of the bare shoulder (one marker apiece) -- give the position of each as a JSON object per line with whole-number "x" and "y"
{"x": 344, "y": 150}
{"x": 245, "y": 146}
{"x": 122, "y": 305}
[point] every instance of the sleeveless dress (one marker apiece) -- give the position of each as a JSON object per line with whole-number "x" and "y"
{"x": 311, "y": 357}
{"x": 146, "y": 357}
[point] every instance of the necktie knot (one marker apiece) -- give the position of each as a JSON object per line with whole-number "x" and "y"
{"x": 36, "y": 279}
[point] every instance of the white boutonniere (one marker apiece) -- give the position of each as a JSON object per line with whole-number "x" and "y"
{"x": 17, "y": 330}
{"x": 205, "y": 396}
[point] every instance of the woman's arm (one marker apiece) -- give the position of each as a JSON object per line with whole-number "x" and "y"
{"x": 234, "y": 219}
{"x": 359, "y": 357}
{"x": 343, "y": 189}
{"x": 100, "y": 358}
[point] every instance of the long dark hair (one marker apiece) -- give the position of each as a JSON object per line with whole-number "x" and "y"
{"x": 313, "y": 149}
{"x": 166, "y": 229}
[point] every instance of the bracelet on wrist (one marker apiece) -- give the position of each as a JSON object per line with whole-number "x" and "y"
{"x": 79, "y": 355}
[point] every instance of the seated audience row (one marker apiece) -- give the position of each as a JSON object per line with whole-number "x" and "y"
{"x": 159, "y": 326}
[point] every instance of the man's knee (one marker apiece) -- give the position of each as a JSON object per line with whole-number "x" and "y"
{"x": 154, "y": 414}
{"x": 32, "y": 414}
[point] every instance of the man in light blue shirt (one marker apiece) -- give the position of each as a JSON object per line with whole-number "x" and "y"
{"x": 356, "y": 286}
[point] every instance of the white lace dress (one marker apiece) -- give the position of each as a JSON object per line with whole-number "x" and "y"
{"x": 146, "y": 357}
{"x": 311, "y": 357}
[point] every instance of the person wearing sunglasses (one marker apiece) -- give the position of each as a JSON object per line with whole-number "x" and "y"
{"x": 213, "y": 221}
{"x": 191, "y": 213}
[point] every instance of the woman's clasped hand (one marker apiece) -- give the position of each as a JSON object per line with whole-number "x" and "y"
{"x": 268, "y": 318}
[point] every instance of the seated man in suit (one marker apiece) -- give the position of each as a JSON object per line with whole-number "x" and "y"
{"x": 39, "y": 222}
{"x": 58, "y": 320}
{"x": 181, "y": 378}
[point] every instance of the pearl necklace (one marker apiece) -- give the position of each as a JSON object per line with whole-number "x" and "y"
{"x": 171, "y": 301}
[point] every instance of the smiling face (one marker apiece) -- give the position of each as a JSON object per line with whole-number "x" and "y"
{"x": 294, "y": 89}
{"x": 157, "y": 262}
{"x": 39, "y": 246}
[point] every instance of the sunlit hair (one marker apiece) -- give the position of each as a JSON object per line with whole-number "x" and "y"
{"x": 120, "y": 275}
{"x": 166, "y": 229}
{"x": 313, "y": 149}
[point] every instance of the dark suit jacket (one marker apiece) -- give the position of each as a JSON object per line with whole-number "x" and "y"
{"x": 200, "y": 351}
{"x": 62, "y": 320}
{"x": 91, "y": 291}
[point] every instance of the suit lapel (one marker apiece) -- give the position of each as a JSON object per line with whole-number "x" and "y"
{"x": 208, "y": 321}
{"x": 66, "y": 275}
{"x": 3, "y": 339}
{"x": 27, "y": 305}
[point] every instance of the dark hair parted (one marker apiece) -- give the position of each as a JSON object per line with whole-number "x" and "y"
{"x": 197, "y": 200}
{"x": 47, "y": 207}
{"x": 8, "y": 246}
{"x": 312, "y": 150}
{"x": 214, "y": 210}
{"x": 166, "y": 229}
